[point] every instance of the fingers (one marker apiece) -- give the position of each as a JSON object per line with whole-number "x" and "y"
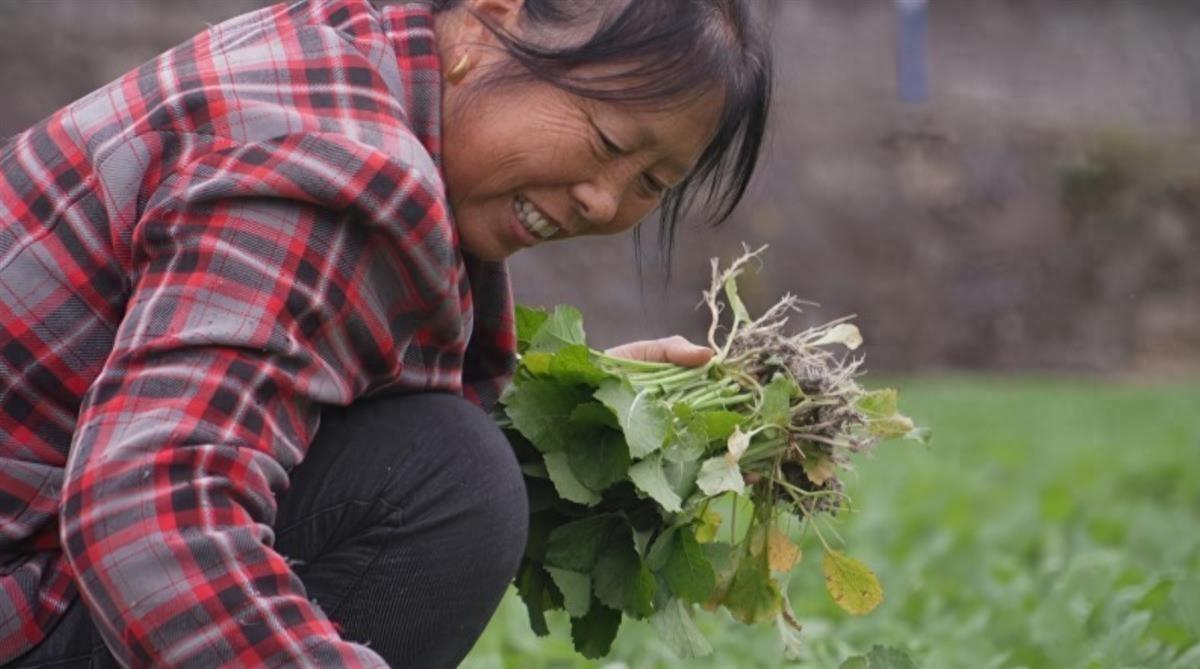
{"x": 676, "y": 350}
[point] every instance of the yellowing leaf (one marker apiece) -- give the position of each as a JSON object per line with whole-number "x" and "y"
{"x": 892, "y": 427}
{"x": 852, "y": 585}
{"x": 819, "y": 469}
{"x": 706, "y": 531}
{"x": 782, "y": 554}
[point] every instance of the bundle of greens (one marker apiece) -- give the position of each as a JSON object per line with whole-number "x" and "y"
{"x": 627, "y": 463}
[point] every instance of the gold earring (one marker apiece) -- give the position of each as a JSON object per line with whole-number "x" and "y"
{"x": 455, "y": 74}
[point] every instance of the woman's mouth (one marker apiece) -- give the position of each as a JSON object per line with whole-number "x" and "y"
{"x": 534, "y": 222}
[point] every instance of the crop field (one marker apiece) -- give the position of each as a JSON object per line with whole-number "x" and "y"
{"x": 1051, "y": 524}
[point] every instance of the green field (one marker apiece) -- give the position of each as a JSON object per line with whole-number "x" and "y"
{"x": 1050, "y": 525}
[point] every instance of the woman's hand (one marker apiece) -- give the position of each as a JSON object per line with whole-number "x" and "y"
{"x": 676, "y": 350}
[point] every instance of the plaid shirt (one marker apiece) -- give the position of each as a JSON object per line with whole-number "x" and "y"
{"x": 193, "y": 259}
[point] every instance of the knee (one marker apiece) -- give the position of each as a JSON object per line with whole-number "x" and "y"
{"x": 476, "y": 472}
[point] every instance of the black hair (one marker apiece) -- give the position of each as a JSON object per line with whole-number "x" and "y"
{"x": 664, "y": 52}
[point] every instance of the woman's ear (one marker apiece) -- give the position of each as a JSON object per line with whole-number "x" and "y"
{"x": 502, "y": 13}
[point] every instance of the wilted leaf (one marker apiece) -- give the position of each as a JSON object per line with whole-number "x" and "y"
{"x": 819, "y": 468}
{"x": 723, "y": 560}
{"x": 642, "y": 416}
{"x": 782, "y": 554}
{"x": 576, "y": 589}
{"x": 753, "y": 596}
{"x": 568, "y": 487}
{"x": 563, "y": 328}
{"x": 845, "y": 334}
{"x": 737, "y": 444}
{"x": 649, "y": 478}
{"x": 892, "y": 427}
{"x": 677, "y": 628}
{"x": 593, "y": 634}
{"x": 879, "y": 403}
{"x": 718, "y": 475}
{"x": 851, "y": 584}
{"x": 921, "y": 435}
{"x": 735, "y": 301}
{"x": 789, "y": 631}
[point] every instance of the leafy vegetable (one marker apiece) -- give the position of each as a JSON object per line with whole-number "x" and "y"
{"x": 625, "y": 457}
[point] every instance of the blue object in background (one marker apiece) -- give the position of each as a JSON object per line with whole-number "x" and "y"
{"x": 910, "y": 52}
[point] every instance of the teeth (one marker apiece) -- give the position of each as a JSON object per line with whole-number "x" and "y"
{"x": 533, "y": 220}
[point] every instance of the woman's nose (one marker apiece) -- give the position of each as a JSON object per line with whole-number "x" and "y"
{"x": 597, "y": 201}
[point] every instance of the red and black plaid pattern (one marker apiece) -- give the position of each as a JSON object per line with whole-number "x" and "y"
{"x": 193, "y": 259}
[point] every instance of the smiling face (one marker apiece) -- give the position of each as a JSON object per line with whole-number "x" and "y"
{"x": 528, "y": 163}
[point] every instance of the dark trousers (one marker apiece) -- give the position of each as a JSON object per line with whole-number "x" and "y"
{"x": 406, "y": 522}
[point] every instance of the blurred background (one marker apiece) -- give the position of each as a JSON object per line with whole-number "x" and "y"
{"x": 1007, "y": 194}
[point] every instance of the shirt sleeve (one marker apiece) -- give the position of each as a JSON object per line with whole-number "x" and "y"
{"x": 268, "y": 279}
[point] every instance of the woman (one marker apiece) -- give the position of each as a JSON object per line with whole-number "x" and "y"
{"x": 300, "y": 218}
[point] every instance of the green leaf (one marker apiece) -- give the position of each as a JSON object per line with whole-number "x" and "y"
{"x": 649, "y": 478}
{"x": 889, "y": 657}
{"x": 568, "y": 487}
{"x": 852, "y": 585}
{"x": 677, "y": 628}
{"x": 575, "y": 545}
{"x": 576, "y": 589}
{"x": 594, "y": 413}
{"x": 681, "y": 476}
{"x": 533, "y": 589}
{"x": 643, "y": 417}
{"x": 878, "y": 403}
{"x": 622, "y": 581}
{"x": 777, "y": 397}
{"x": 687, "y": 571}
{"x": 593, "y": 634}
{"x": 539, "y": 408}
{"x": 537, "y": 363}
{"x": 735, "y": 301}
{"x": 573, "y": 364}
{"x": 856, "y": 662}
{"x": 563, "y": 328}
{"x": 529, "y": 321}
{"x": 599, "y": 457}
{"x": 718, "y": 425}
{"x": 718, "y": 475}
{"x": 753, "y": 595}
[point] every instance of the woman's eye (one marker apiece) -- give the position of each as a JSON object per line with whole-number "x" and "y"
{"x": 652, "y": 186}
{"x": 610, "y": 147}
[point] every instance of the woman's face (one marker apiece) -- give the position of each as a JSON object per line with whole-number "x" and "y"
{"x": 529, "y": 163}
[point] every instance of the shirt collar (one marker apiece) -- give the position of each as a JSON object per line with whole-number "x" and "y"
{"x": 409, "y": 27}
